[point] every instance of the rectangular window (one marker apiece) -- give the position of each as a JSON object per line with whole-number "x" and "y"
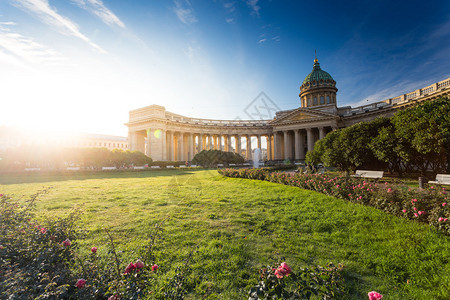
{"x": 322, "y": 100}
{"x": 315, "y": 101}
{"x": 328, "y": 100}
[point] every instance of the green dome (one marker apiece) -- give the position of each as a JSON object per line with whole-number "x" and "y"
{"x": 317, "y": 74}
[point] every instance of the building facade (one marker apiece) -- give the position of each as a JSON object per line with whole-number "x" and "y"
{"x": 166, "y": 136}
{"x": 12, "y": 138}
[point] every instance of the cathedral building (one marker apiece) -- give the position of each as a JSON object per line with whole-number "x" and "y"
{"x": 166, "y": 136}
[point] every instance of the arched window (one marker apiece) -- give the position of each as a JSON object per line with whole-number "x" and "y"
{"x": 315, "y": 101}
{"x": 328, "y": 100}
{"x": 322, "y": 100}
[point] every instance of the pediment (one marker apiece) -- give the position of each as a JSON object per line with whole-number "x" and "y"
{"x": 303, "y": 115}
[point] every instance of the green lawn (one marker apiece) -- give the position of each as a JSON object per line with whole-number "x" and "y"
{"x": 241, "y": 225}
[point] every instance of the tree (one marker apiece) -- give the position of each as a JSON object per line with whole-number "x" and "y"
{"x": 210, "y": 158}
{"x": 385, "y": 148}
{"x": 138, "y": 158}
{"x": 348, "y": 148}
{"x": 423, "y": 134}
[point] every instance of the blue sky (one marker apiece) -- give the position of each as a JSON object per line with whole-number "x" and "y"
{"x": 81, "y": 65}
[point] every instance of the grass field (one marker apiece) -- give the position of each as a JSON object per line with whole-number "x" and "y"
{"x": 241, "y": 225}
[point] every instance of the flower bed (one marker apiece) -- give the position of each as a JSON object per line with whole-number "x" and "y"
{"x": 423, "y": 205}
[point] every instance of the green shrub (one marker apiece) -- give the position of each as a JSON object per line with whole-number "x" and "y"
{"x": 282, "y": 283}
{"x": 211, "y": 158}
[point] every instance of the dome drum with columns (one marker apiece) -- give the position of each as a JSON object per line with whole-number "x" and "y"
{"x": 165, "y": 136}
{"x": 318, "y": 90}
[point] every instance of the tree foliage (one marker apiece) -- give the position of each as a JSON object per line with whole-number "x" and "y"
{"x": 413, "y": 140}
{"x": 210, "y": 158}
{"x": 60, "y": 158}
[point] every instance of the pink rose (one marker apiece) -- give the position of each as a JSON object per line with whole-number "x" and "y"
{"x": 389, "y": 190}
{"x": 43, "y": 230}
{"x": 374, "y": 296}
{"x": 114, "y": 297}
{"x": 129, "y": 268}
{"x": 286, "y": 267}
{"x": 421, "y": 212}
{"x": 444, "y": 204}
{"x": 80, "y": 283}
{"x": 66, "y": 243}
{"x": 445, "y": 220}
{"x": 441, "y": 219}
{"x": 283, "y": 270}
{"x": 154, "y": 267}
{"x": 139, "y": 264}
{"x": 1, "y": 195}
{"x": 404, "y": 210}
{"x": 94, "y": 249}
{"x": 415, "y": 209}
{"x": 416, "y": 215}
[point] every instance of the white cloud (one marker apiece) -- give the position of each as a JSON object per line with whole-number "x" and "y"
{"x": 229, "y": 6}
{"x": 229, "y": 20}
{"x": 184, "y": 12}
{"x": 189, "y": 52}
{"x": 23, "y": 51}
{"x": 48, "y": 15}
{"x": 253, "y": 4}
{"x": 100, "y": 10}
{"x": 8, "y": 23}
{"x": 262, "y": 41}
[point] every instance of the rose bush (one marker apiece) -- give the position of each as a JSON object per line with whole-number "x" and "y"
{"x": 44, "y": 262}
{"x": 423, "y": 205}
{"x": 282, "y": 283}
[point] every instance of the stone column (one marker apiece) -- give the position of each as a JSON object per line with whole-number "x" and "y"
{"x": 171, "y": 149}
{"x": 132, "y": 141}
{"x": 203, "y": 143}
{"x": 140, "y": 142}
{"x": 286, "y": 145}
{"x": 221, "y": 145}
{"x": 310, "y": 139}
{"x": 301, "y": 145}
{"x": 149, "y": 142}
{"x": 238, "y": 144}
{"x": 321, "y": 133}
{"x": 297, "y": 143}
{"x": 164, "y": 146}
{"x": 259, "y": 141}
{"x": 276, "y": 146}
{"x": 210, "y": 141}
{"x": 248, "y": 152}
{"x": 229, "y": 142}
{"x": 269, "y": 147}
{"x": 181, "y": 146}
{"x": 191, "y": 146}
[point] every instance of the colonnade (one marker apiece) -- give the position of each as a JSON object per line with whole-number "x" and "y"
{"x": 174, "y": 145}
{"x": 293, "y": 144}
